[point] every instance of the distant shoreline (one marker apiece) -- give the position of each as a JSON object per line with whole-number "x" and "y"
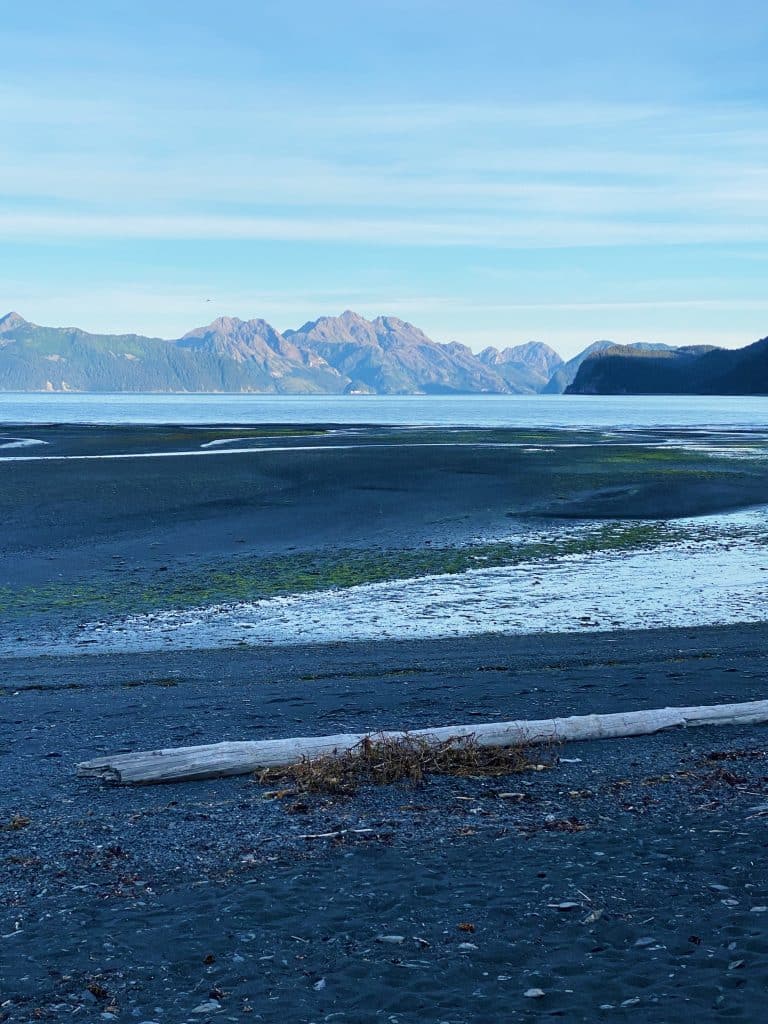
{"x": 19, "y": 410}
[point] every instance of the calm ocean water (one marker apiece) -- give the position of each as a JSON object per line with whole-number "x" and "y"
{"x": 417, "y": 410}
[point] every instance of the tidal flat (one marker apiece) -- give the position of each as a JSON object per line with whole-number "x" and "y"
{"x": 107, "y": 524}
{"x": 177, "y": 585}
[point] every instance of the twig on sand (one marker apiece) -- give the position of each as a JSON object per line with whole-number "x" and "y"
{"x": 337, "y": 833}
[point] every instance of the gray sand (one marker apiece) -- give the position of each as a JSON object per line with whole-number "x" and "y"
{"x": 659, "y": 844}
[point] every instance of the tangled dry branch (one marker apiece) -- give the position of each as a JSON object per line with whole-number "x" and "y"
{"x": 409, "y": 758}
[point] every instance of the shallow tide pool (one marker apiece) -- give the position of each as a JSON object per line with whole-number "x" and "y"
{"x": 716, "y": 574}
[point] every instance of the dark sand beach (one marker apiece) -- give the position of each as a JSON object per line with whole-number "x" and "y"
{"x": 156, "y": 897}
{"x": 624, "y": 879}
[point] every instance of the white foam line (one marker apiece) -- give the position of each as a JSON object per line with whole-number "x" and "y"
{"x": 242, "y": 451}
{"x": 303, "y": 448}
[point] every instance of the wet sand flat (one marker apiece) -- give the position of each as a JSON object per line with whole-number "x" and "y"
{"x": 140, "y": 538}
{"x": 310, "y": 486}
{"x": 85, "y": 540}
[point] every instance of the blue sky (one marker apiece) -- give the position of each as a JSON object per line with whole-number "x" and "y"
{"x": 493, "y": 172}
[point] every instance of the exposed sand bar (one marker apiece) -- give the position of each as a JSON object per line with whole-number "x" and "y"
{"x": 20, "y": 442}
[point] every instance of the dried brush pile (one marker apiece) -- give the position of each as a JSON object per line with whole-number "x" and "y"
{"x": 385, "y": 760}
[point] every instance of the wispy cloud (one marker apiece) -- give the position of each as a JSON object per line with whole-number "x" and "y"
{"x": 436, "y": 174}
{"x": 492, "y": 232}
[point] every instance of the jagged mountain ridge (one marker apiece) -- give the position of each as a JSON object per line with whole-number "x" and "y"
{"x": 271, "y": 361}
{"x": 331, "y": 355}
{"x": 389, "y": 356}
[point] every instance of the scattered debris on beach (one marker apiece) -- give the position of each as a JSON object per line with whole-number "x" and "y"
{"x": 406, "y": 758}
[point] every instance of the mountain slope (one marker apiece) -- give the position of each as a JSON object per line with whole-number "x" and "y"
{"x": 390, "y": 356}
{"x": 270, "y": 360}
{"x": 332, "y": 355}
{"x": 526, "y": 368}
{"x": 36, "y": 358}
{"x": 743, "y": 371}
{"x": 213, "y": 359}
{"x": 566, "y": 374}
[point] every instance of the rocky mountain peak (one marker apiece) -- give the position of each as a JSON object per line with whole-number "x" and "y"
{"x": 234, "y": 329}
{"x": 224, "y": 324}
{"x": 527, "y": 367}
{"x": 12, "y": 321}
{"x": 349, "y": 316}
{"x": 348, "y": 328}
{"x": 534, "y": 354}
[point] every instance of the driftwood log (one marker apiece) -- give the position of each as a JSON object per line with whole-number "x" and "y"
{"x": 239, "y": 758}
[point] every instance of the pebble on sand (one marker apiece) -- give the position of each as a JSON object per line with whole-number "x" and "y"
{"x": 209, "y": 1006}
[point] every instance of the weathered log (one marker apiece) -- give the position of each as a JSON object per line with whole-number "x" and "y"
{"x": 239, "y": 758}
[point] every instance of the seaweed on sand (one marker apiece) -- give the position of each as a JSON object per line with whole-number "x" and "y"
{"x": 385, "y": 760}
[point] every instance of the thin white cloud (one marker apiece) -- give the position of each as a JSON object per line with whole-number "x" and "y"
{"x": 31, "y": 104}
{"x": 516, "y": 174}
{"x": 709, "y": 191}
{"x": 492, "y": 232}
{"x": 467, "y": 306}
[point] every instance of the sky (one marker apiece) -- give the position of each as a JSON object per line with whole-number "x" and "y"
{"x": 494, "y": 172}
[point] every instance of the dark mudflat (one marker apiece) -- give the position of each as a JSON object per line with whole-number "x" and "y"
{"x": 150, "y": 903}
{"x": 660, "y": 500}
{"x": 64, "y": 521}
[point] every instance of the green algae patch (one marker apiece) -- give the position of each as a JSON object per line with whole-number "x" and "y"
{"x": 252, "y": 579}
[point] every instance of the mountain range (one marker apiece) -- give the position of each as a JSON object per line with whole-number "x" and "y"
{"x": 348, "y": 354}
{"x": 344, "y": 354}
